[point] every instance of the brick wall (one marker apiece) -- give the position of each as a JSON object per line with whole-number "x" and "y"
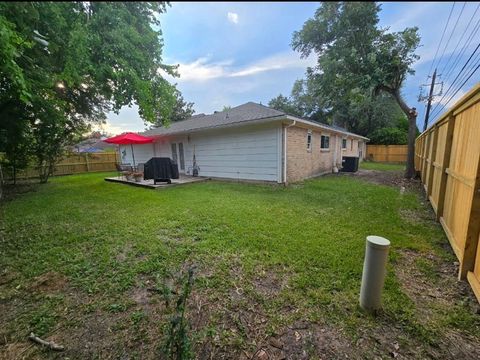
{"x": 351, "y": 151}
{"x": 303, "y": 163}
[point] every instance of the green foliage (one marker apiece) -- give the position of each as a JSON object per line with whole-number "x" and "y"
{"x": 181, "y": 110}
{"x": 63, "y": 65}
{"x": 177, "y": 344}
{"x": 357, "y": 60}
{"x": 388, "y": 136}
{"x": 302, "y": 102}
{"x": 285, "y": 104}
{"x": 226, "y": 108}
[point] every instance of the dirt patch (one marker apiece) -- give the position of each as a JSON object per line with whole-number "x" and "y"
{"x": 431, "y": 283}
{"x": 435, "y": 285}
{"x": 390, "y": 178}
{"x": 418, "y": 216}
{"x": 305, "y": 340}
{"x": 16, "y": 351}
{"x": 11, "y": 191}
{"x": 269, "y": 283}
{"x": 123, "y": 253}
{"x": 49, "y": 282}
{"x": 7, "y": 277}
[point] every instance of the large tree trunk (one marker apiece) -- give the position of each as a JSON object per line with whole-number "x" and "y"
{"x": 412, "y": 132}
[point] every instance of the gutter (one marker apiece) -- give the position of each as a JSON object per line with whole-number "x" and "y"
{"x": 285, "y": 151}
{"x": 325, "y": 127}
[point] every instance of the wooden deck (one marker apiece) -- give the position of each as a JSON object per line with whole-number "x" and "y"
{"x": 150, "y": 185}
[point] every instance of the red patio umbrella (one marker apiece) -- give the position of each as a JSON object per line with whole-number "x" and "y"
{"x": 129, "y": 138}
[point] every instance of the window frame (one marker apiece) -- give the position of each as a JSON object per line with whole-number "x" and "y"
{"x": 309, "y": 140}
{"x": 344, "y": 141}
{"x": 324, "y": 136}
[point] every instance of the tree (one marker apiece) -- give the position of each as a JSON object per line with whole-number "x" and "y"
{"x": 64, "y": 65}
{"x": 285, "y": 104}
{"x": 226, "y": 108}
{"x": 303, "y": 102}
{"x": 181, "y": 110}
{"x": 356, "y": 58}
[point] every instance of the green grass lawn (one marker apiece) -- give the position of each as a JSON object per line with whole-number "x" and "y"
{"x": 87, "y": 262}
{"x": 369, "y": 165}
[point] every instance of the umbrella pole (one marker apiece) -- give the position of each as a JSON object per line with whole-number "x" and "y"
{"x": 133, "y": 156}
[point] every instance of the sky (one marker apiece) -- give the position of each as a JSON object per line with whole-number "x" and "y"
{"x": 230, "y": 53}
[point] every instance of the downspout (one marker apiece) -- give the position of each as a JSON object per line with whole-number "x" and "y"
{"x": 335, "y": 155}
{"x": 285, "y": 151}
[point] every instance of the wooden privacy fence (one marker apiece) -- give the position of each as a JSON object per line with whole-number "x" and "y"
{"x": 447, "y": 155}
{"x": 72, "y": 164}
{"x": 387, "y": 153}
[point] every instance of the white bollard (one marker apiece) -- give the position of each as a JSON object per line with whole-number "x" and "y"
{"x": 374, "y": 270}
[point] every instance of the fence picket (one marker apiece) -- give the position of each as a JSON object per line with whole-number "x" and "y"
{"x": 448, "y": 159}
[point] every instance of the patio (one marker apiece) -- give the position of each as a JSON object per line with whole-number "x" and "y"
{"x": 183, "y": 179}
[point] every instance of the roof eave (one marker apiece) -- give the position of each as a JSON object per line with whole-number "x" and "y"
{"x": 221, "y": 126}
{"x": 323, "y": 127}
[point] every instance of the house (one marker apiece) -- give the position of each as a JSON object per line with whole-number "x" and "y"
{"x": 250, "y": 142}
{"x": 94, "y": 143}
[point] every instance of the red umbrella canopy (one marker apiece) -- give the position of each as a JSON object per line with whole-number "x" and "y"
{"x": 129, "y": 138}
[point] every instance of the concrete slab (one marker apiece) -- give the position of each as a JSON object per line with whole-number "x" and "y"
{"x": 150, "y": 185}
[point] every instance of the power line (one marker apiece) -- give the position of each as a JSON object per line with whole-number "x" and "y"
{"x": 441, "y": 39}
{"x": 462, "y": 51}
{"x": 463, "y": 80}
{"x": 460, "y": 40}
{"x": 451, "y": 33}
{"x": 461, "y": 86}
{"x": 457, "y": 77}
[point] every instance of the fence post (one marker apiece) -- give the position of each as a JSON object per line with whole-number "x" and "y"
{"x": 445, "y": 164}
{"x": 425, "y": 159}
{"x": 473, "y": 230}
{"x": 433, "y": 155}
{"x": 86, "y": 162}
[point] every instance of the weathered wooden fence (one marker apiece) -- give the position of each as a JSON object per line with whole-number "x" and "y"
{"x": 387, "y": 153}
{"x": 72, "y": 164}
{"x": 447, "y": 156}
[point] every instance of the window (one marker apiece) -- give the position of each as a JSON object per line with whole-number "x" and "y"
{"x": 344, "y": 144}
{"x": 309, "y": 140}
{"x": 174, "y": 152}
{"x": 351, "y": 145}
{"x": 325, "y": 142}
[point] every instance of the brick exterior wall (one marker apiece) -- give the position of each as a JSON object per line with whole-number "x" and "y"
{"x": 303, "y": 163}
{"x": 351, "y": 151}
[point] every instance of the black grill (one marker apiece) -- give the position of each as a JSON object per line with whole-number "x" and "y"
{"x": 160, "y": 169}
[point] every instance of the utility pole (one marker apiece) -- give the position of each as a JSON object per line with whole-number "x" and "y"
{"x": 429, "y": 100}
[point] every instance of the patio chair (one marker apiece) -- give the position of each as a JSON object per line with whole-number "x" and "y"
{"x": 123, "y": 169}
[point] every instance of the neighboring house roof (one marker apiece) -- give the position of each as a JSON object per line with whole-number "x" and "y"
{"x": 244, "y": 113}
{"x": 91, "y": 145}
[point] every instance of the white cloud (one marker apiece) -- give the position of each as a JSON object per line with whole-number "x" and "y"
{"x": 275, "y": 62}
{"x": 232, "y": 17}
{"x": 202, "y": 69}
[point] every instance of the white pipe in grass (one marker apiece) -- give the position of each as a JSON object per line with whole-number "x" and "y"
{"x": 374, "y": 271}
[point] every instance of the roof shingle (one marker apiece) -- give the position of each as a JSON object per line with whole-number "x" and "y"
{"x": 246, "y": 112}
